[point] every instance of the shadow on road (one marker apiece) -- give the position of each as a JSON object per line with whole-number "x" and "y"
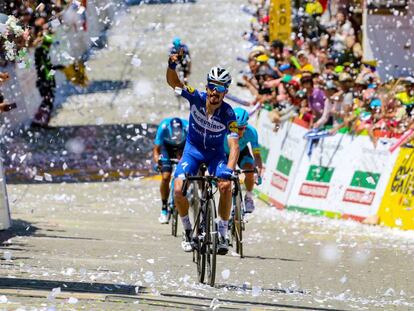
{"x": 138, "y": 2}
{"x": 270, "y": 258}
{"x": 276, "y": 306}
{"x": 19, "y": 228}
{"x": 78, "y": 153}
{"x": 65, "y": 286}
{"x": 67, "y": 89}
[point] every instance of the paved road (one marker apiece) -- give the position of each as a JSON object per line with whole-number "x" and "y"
{"x": 100, "y": 243}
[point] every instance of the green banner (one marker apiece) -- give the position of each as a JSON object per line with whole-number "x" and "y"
{"x": 284, "y": 165}
{"x": 264, "y": 153}
{"x": 320, "y": 173}
{"x": 366, "y": 180}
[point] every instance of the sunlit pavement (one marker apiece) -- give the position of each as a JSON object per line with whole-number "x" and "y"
{"x": 99, "y": 246}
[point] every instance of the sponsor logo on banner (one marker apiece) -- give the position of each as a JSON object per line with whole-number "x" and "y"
{"x": 359, "y": 196}
{"x": 366, "y": 180}
{"x": 320, "y": 173}
{"x": 279, "y": 181}
{"x": 284, "y": 165}
{"x": 361, "y": 179}
{"x": 314, "y": 190}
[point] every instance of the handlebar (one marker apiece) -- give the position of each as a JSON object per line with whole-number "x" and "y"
{"x": 172, "y": 161}
{"x": 238, "y": 172}
{"x": 188, "y": 179}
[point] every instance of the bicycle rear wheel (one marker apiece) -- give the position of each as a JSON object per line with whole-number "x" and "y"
{"x": 238, "y": 226}
{"x": 211, "y": 242}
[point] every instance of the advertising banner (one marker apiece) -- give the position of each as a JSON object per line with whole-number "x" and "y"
{"x": 397, "y": 206}
{"x": 284, "y": 160}
{"x": 280, "y": 22}
{"x": 345, "y": 176}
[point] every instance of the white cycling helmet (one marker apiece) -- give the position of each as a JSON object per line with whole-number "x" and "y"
{"x": 218, "y": 74}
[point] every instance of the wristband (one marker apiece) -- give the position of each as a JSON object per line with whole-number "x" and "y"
{"x": 172, "y": 65}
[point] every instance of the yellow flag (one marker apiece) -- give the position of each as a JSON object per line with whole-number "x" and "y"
{"x": 280, "y": 24}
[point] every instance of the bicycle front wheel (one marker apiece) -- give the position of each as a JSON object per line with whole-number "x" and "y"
{"x": 199, "y": 253}
{"x": 238, "y": 226}
{"x": 211, "y": 242}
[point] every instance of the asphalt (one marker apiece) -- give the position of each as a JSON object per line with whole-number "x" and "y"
{"x": 97, "y": 245}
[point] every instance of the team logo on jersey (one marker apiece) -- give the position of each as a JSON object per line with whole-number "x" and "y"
{"x": 233, "y": 127}
{"x": 201, "y": 120}
{"x": 190, "y": 89}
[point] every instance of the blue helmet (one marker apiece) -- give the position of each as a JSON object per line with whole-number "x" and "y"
{"x": 242, "y": 116}
{"x": 176, "y": 129}
{"x": 176, "y": 42}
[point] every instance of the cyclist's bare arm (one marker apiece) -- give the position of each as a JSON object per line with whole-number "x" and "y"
{"x": 172, "y": 77}
{"x": 156, "y": 152}
{"x": 234, "y": 152}
{"x": 258, "y": 161}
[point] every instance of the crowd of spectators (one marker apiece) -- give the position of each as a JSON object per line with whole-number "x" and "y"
{"x": 29, "y": 25}
{"x": 321, "y": 76}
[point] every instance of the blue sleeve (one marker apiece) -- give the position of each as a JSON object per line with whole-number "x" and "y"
{"x": 254, "y": 138}
{"x": 159, "y": 137}
{"x": 190, "y": 94}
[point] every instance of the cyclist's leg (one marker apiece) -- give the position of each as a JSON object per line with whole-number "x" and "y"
{"x": 215, "y": 166}
{"x": 166, "y": 170}
{"x": 189, "y": 163}
{"x": 247, "y": 163}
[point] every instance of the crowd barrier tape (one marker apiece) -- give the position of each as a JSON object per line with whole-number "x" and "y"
{"x": 345, "y": 176}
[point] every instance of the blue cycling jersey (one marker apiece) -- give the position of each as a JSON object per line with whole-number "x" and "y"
{"x": 208, "y": 133}
{"x": 249, "y": 136}
{"x": 165, "y": 134}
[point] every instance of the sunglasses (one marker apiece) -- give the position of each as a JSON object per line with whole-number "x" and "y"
{"x": 241, "y": 128}
{"x": 219, "y": 88}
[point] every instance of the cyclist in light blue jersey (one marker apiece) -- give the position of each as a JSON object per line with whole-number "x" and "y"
{"x": 247, "y": 138}
{"x": 211, "y": 122}
{"x": 169, "y": 144}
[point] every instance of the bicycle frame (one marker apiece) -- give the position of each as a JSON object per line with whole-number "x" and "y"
{"x": 205, "y": 229}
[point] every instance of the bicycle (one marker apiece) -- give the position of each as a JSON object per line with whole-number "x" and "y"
{"x": 237, "y": 223}
{"x": 172, "y": 211}
{"x": 205, "y": 230}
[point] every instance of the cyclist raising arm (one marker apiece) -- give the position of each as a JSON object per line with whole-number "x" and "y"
{"x": 247, "y": 135}
{"x": 211, "y": 122}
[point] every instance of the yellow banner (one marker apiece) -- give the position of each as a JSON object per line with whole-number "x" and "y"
{"x": 280, "y": 23}
{"x": 397, "y": 206}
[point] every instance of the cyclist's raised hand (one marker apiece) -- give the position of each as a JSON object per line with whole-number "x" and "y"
{"x": 176, "y": 57}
